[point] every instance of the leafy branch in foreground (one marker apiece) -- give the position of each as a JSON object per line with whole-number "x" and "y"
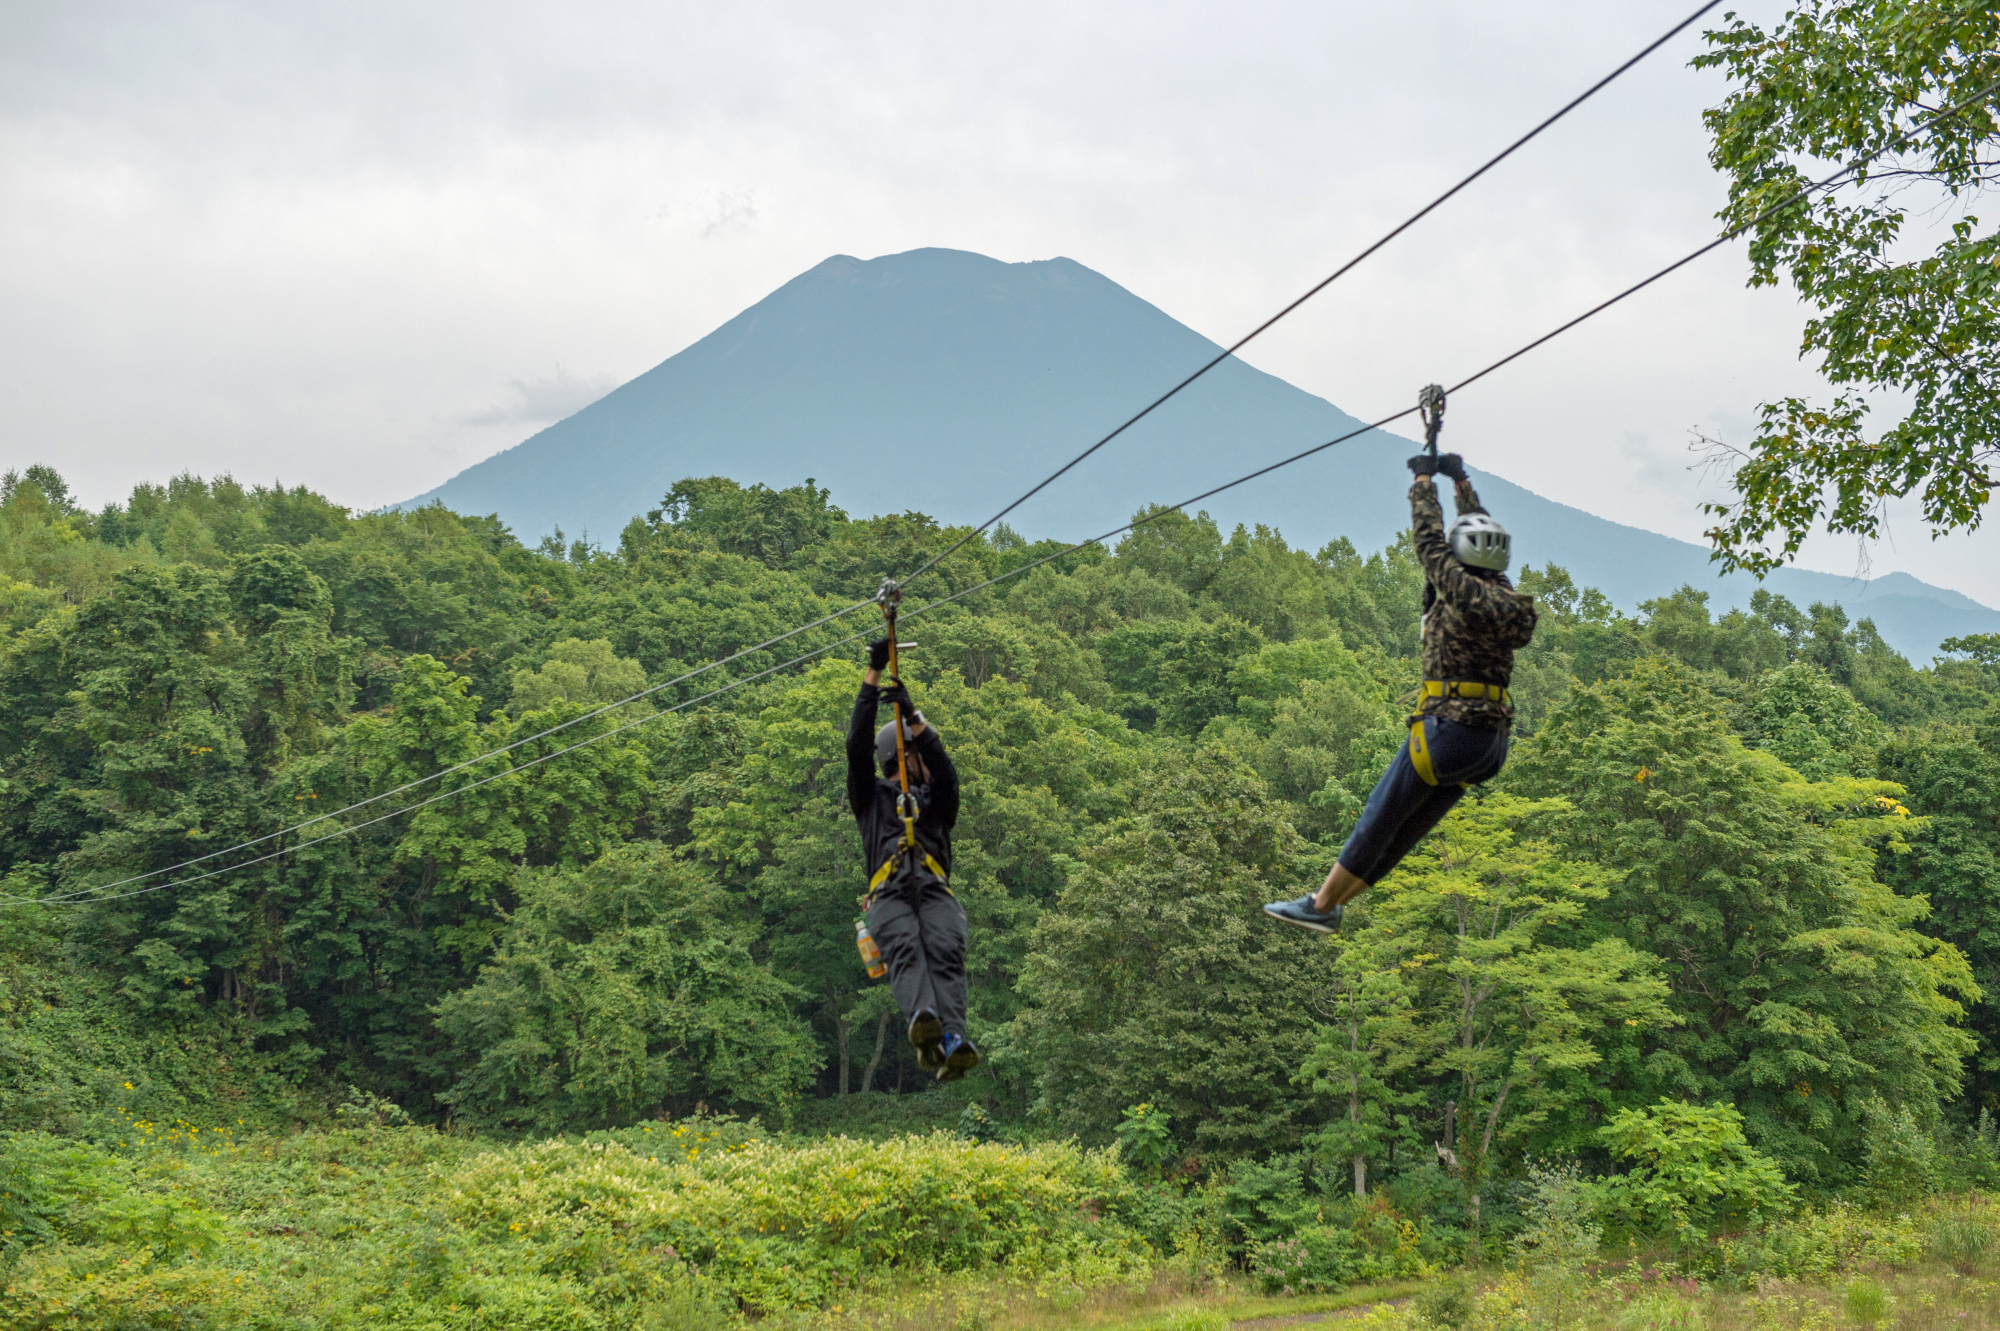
{"x": 1838, "y": 80}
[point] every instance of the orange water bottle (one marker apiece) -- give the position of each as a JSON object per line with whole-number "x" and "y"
{"x": 871, "y": 954}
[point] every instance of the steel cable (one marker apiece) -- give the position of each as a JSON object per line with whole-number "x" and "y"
{"x": 933, "y": 562}
{"x": 101, "y": 893}
{"x": 441, "y": 773}
{"x": 1321, "y": 285}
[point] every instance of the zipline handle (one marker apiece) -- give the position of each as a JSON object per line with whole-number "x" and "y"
{"x": 890, "y": 597}
{"x": 1430, "y": 406}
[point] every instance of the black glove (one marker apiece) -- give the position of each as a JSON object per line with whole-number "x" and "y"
{"x": 1424, "y": 466}
{"x": 878, "y": 654}
{"x": 900, "y": 693}
{"x": 1452, "y": 465}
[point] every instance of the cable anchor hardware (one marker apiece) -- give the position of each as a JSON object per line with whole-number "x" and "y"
{"x": 1430, "y": 406}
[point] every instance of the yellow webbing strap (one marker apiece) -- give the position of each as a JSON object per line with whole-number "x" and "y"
{"x": 1420, "y": 753}
{"x": 930, "y": 862}
{"x": 1465, "y": 688}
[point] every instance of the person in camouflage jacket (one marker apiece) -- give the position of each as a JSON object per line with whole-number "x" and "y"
{"x": 1474, "y": 622}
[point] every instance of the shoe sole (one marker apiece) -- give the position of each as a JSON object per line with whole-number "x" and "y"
{"x": 1316, "y": 928}
{"x": 926, "y": 1033}
{"x": 960, "y": 1063}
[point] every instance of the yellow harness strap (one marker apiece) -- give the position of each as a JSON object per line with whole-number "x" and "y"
{"x": 930, "y": 862}
{"x": 1465, "y": 688}
{"x": 1420, "y": 752}
{"x": 1420, "y": 749}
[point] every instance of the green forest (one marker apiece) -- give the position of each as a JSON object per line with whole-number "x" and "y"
{"x": 1720, "y": 949}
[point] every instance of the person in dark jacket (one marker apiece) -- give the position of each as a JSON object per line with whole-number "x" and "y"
{"x": 1474, "y": 622}
{"x": 911, "y": 912}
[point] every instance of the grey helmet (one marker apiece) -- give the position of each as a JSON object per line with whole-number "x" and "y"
{"x": 1479, "y": 541}
{"x": 885, "y": 740}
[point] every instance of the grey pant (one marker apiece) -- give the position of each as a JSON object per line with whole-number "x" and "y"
{"x": 920, "y": 928}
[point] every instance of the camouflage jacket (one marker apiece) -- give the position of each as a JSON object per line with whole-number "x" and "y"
{"x": 1474, "y": 620}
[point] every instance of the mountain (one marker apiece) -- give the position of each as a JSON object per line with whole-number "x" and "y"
{"x": 947, "y": 382}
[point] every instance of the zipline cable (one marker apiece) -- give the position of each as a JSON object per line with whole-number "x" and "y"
{"x": 506, "y": 748}
{"x": 1321, "y": 285}
{"x": 89, "y": 895}
{"x": 1762, "y": 214}
{"x": 929, "y": 564}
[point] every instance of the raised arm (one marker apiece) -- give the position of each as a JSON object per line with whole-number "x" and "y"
{"x": 1465, "y": 498}
{"x": 861, "y": 749}
{"x": 1486, "y": 605}
{"x": 944, "y": 777}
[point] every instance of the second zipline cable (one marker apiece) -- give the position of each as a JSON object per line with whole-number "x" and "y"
{"x": 86, "y": 895}
{"x": 1321, "y": 285}
{"x": 1038, "y": 487}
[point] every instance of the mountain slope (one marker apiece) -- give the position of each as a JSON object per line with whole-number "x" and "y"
{"x": 947, "y": 382}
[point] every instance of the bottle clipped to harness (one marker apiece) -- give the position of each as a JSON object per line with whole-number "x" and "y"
{"x": 871, "y": 953}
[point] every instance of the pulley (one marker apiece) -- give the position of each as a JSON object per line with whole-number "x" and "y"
{"x": 1430, "y": 406}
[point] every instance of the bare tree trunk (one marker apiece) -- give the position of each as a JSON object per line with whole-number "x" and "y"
{"x": 839, "y": 1038}
{"x": 881, "y": 1043}
{"x": 1360, "y": 1160}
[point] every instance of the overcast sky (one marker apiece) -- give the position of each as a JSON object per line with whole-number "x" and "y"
{"x": 363, "y": 246}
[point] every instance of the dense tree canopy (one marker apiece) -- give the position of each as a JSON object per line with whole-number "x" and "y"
{"x": 1744, "y": 859}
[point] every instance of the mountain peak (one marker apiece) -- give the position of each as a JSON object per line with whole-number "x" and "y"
{"x": 979, "y": 376}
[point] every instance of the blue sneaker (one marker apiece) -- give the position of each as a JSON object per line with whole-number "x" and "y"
{"x": 925, "y": 1033}
{"x": 1301, "y": 913}
{"x": 960, "y": 1057}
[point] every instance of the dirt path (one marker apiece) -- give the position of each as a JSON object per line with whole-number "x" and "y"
{"x": 1313, "y": 1319}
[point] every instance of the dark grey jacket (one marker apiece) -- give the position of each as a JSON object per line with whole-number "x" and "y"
{"x": 872, "y": 796}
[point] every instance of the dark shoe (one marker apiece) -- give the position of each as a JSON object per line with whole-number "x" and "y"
{"x": 925, "y": 1033}
{"x": 1301, "y": 913}
{"x": 960, "y": 1057}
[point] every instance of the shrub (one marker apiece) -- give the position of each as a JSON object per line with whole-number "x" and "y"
{"x": 1445, "y": 1300}
{"x": 1813, "y": 1246}
{"x": 788, "y": 1228}
{"x": 1554, "y": 1250}
{"x": 1161, "y": 1213}
{"x": 1690, "y": 1171}
{"x": 1969, "y": 1156}
{"x": 669, "y": 1228}
{"x": 1389, "y": 1244}
{"x": 1314, "y": 1260}
{"x": 1900, "y": 1159}
{"x": 1145, "y": 1134}
{"x": 53, "y": 1190}
{"x": 1266, "y": 1201}
{"x": 45, "y": 1183}
{"x": 1375, "y": 1244}
{"x": 1662, "y": 1310}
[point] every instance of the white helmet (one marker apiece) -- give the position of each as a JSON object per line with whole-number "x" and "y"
{"x": 1479, "y": 541}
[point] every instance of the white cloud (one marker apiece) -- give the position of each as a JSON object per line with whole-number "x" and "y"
{"x": 541, "y": 401}
{"x": 314, "y": 241}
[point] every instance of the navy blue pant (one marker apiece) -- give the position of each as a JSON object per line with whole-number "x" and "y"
{"x": 1404, "y": 806}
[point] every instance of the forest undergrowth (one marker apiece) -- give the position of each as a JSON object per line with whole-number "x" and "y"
{"x": 709, "y": 1223}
